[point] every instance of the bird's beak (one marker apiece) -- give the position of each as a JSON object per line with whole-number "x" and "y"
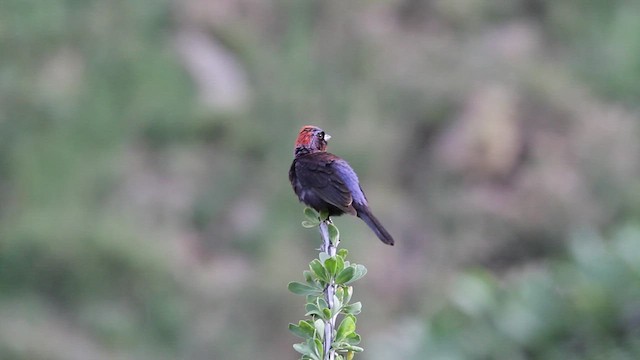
{"x": 327, "y": 137}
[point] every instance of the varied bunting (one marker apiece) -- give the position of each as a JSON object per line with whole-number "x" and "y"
{"x": 326, "y": 182}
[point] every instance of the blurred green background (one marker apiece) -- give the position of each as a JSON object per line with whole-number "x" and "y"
{"x": 145, "y": 211}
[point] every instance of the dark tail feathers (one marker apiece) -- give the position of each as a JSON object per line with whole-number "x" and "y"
{"x": 374, "y": 224}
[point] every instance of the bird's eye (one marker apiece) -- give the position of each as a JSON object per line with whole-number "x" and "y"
{"x": 321, "y": 135}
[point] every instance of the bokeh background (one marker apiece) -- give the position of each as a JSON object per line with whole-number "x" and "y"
{"x": 145, "y": 210}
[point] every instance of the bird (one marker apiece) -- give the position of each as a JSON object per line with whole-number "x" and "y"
{"x": 326, "y": 182}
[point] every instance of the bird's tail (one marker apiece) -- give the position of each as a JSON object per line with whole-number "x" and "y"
{"x": 375, "y": 225}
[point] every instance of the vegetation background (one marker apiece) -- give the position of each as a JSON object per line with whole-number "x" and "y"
{"x": 145, "y": 211}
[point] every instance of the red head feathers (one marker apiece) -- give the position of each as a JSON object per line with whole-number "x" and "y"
{"x": 311, "y": 139}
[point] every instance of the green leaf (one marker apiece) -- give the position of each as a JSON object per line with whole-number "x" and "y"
{"x": 319, "y": 327}
{"x": 324, "y": 215}
{"x": 353, "y": 339}
{"x": 319, "y": 270}
{"x": 337, "y": 306}
{"x": 322, "y": 303}
{"x": 304, "y": 329}
{"x": 353, "y": 309}
{"x": 348, "y": 294}
{"x": 331, "y": 264}
{"x": 343, "y": 253}
{"x": 326, "y": 313}
{"x": 317, "y": 308}
{"x": 308, "y": 277}
{"x": 302, "y": 348}
{"x": 311, "y": 215}
{"x": 308, "y": 224}
{"x": 345, "y": 275}
{"x": 303, "y": 289}
{"x": 354, "y": 348}
{"x": 334, "y": 234}
{"x": 316, "y": 313}
{"x": 313, "y": 309}
{"x": 346, "y": 328}
{"x": 318, "y": 349}
{"x": 359, "y": 272}
{"x": 340, "y": 262}
{"x": 334, "y": 265}
{"x": 323, "y": 256}
{"x": 346, "y": 347}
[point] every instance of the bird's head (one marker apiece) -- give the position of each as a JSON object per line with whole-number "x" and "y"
{"x": 311, "y": 139}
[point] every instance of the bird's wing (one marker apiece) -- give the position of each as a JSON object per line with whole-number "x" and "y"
{"x": 350, "y": 180}
{"x": 330, "y": 178}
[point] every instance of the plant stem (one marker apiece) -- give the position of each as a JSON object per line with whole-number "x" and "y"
{"x": 329, "y": 291}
